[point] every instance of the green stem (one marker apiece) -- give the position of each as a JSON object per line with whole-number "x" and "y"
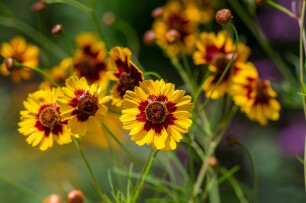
{"x": 143, "y": 175}
{"x": 253, "y": 165}
{"x": 100, "y": 193}
{"x": 132, "y": 156}
{"x": 281, "y": 8}
{"x": 153, "y": 74}
{"x": 301, "y": 23}
{"x": 96, "y": 22}
{"x": 38, "y": 70}
{"x": 261, "y": 38}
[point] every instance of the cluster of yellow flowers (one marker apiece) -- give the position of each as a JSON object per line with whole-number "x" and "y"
{"x": 154, "y": 112}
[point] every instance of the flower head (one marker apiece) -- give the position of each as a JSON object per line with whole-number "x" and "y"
{"x": 125, "y": 72}
{"x": 83, "y": 105}
{"x": 156, "y": 114}
{"x": 255, "y": 97}
{"x": 41, "y": 121}
{"x": 210, "y": 45}
{"x": 89, "y": 60}
{"x": 22, "y": 52}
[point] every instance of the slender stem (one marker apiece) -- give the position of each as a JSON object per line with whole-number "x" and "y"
{"x": 143, "y": 175}
{"x": 153, "y": 74}
{"x": 38, "y": 70}
{"x": 100, "y": 193}
{"x": 281, "y": 8}
{"x": 261, "y": 38}
{"x": 302, "y": 72}
{"x": 138, "y": 162}
{"x": 253, "y": 165}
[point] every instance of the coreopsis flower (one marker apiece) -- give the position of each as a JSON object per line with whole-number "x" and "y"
{"x": 180, "y": 18}
{"x": 255, "y": 97}
{"x": 82, "y": 105}
{"x": 210, "y": 45}
{"x": 90, "y": 59}
{"x": 41, "y": 121}
{"x": 156, "y": 114}
{"x": 124, "y": 71}
{"x": 22, "y": 52}
{"x": 58, "y": 73}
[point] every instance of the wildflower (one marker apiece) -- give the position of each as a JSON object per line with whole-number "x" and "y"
{"x": 82, "y": 105}
{"x": 210, "y": 45}
{"x": 178, "y": 17}
{"x": 89, "y": 60}
{"x": 156, "y": 114}
{"x": 22, "y": 52}
{"x": 58, "y": 73}
{"x": 41, "y": 121}
{"x": 125, "y": 72}
{"x": 224, "y": 16}
{"x": 255, "y": 97}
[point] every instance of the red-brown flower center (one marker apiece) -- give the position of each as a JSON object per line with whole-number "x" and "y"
{"x": 262, "y": 91}
{"x": 156, "y": 112}
{"x": 87, "y": 106}
{"x": 126, "y": 82}
{"x": 220, "y": 62}
{"x": 49, "y": 117}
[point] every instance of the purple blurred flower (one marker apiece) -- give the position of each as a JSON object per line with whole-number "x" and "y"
{"x": 277, "y": 25}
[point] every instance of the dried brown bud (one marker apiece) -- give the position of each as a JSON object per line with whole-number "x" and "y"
{"x": 108, "y": 18}
{"x": 38, "y": 6}
{"x": 261, "y": 2}
{"x": 57, "y": 29}
{"x": 53, "y": 198}
{"x": 75, "y": 196}
{"x": 172, "y": 35}
{"x": 157, "y": 12}
{"x": 9, "y": 63}
{"x": 224, "y": 16}
{"x": 232, "y": 140}
{"x": 212, "y": 162}
{"x": 149, "y": 37}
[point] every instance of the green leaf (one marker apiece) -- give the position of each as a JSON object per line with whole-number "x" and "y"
{"x": 73, "y": 3}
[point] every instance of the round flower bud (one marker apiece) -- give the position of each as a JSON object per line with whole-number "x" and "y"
{"x": 224, "y": 16}
{"x": 9, "y": 63}
{"x": 108, "y": 18}
{"x": 260, "y": 2}
{"x": 75, "y": 196}
{"x": 172, "y": 35}
{"x": 57, "y": 29}
{"x": 157, "y": 12}
{"x": 149, "y": 37}
{"x": 53, "y": 198}
{"x": 212, "y": 162}
{"x": 38, "y": 6}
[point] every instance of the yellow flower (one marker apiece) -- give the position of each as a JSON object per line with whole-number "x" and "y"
{"x": 41, "y": 121}
{"x": 255, "y": 97}
{"x": 125, "y": 72}
{"x": 22, "y": 52}
{"x": 184, "y": 18}
{"x": 83, "y": 105}
{"x": 58, "y": 73}
{"x": 156, "y": 114}
{"x": 210, "y": 45}
{"x": 89, "y": 59}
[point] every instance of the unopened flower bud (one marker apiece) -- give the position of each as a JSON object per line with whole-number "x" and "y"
{"x": 261, "y": 2}
{"x": 108, "y": 18}
{"x": 231, "y": 140}
{"x": 212, "y": 162}
{"x": 57, "y": 30}
{"x": 75, "y": 196}
{"x": 9, "y": 63}
{"x": 157, "y": 12}
{"x": 38, "y": 6}
{"x": 149, "y": 37}
{"x": 53, "y": 198}
{"x": 172, "y": 35}
{"x": 224, "y": 16}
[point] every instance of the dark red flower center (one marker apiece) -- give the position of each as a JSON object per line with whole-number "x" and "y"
{"x": 49, "y": 117}
{"x": 156, "y": 112}
{"x": 126, "y": 82}
{"x": 262, "y": 95}
{"x": 87, "y": 106}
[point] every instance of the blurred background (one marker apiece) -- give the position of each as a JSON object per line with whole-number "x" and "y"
{"x": 27, "y": 175}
